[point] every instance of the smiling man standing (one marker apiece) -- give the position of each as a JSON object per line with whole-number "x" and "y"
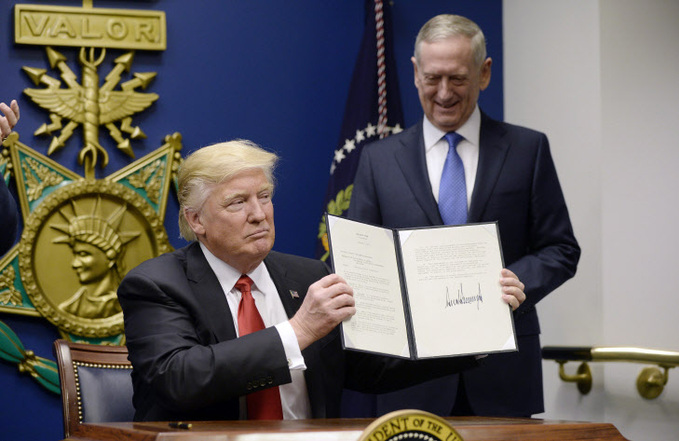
{"x": 455, "y": 166}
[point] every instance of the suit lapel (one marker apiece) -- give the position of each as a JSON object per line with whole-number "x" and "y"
{"x": 492, "y": 153}
{"x": 209, "y": 294}
{"x": 290, "y": 291}
{"x": 411, "y": 158}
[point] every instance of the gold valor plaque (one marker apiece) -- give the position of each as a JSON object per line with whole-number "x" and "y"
{"x": 89, "y": 27}
{"x": 406, "y": 425}
{"x": 77, "y": 246}
{"x": 81, "y": 235}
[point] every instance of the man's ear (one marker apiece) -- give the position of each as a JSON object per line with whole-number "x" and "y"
{"x": 194, "y": 221}
{"x": 415, "y": 70}
{"x": 485, "y": 73}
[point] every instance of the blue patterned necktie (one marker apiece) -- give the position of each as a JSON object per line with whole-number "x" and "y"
{"x": 453, "y": 188}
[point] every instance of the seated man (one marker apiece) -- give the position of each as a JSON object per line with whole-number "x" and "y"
{"x": 200, "y": 348}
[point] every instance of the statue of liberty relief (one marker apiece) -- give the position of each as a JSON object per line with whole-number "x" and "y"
{"x": 98, "y": 248}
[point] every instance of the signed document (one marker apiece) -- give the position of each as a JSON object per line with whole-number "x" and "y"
{"x": 423, "y": 292}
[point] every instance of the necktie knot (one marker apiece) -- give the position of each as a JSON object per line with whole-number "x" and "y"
{"x": 244, "y": 284}
{"x": 453, "y": 139}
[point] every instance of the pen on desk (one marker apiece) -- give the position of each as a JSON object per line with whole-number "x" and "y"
{"x": 180, "y": 425}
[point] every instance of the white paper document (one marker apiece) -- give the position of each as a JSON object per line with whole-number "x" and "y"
{"x": 423, "y": 292}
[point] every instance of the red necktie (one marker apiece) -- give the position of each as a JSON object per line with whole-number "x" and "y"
{"x": 264, "y": 404}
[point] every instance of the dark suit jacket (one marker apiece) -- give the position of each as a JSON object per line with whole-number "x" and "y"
{"x": 8, "y": 218}
{"x": 189, "y": 365}
{"x": 516, "y": 185}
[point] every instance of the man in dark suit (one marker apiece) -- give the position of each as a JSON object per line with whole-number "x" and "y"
{"x": 509, "y": 177}
{"x": 8, "y": 218}
{"x": 196, "y": 354}
{"x": 8, "y": 211}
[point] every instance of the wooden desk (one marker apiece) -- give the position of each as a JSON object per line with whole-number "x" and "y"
{"x": 469, "y": 428}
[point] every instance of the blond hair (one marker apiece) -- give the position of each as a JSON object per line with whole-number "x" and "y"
{"x": 208, "y": 166}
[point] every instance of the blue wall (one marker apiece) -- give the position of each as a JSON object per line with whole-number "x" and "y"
{"x": 276, "y": 72}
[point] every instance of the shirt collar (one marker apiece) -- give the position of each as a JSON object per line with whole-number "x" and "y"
{"x": 228, "y": 275}
{"x": 469, "y": 130}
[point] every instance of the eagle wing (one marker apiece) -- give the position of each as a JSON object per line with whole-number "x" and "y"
{"x": 67, "y": 103}
{"x": 116, "y": 105}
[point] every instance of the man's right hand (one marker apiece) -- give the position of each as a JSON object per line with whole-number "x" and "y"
{"x": 327, "y": 303}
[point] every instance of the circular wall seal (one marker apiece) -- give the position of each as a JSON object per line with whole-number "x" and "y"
{"x": 76, "y": 247}
{"x": 406, "y": 425}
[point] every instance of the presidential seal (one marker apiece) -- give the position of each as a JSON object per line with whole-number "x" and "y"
{"x": 76, "y": 247}
{"x": 406, "y": 425}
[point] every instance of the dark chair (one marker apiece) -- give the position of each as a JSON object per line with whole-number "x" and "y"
{"x": 95, "y": 383}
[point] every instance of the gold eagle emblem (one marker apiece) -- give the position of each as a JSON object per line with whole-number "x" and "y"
{"x": 89, "y": 105}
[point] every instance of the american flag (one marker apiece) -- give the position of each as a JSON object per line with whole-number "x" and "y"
{"x": 373, "y": 111}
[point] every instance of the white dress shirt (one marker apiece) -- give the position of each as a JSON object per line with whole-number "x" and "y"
{"x": 436, "y": 149}
{"x": 294, "y": 395}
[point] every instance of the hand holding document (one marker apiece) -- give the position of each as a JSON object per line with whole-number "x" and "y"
{"x": 423, "y": 292}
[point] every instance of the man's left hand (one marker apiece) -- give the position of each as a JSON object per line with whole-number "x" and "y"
{"x": 512, "y": 289}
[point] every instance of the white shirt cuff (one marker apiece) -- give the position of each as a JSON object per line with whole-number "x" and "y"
{"x": 291, "y": 346}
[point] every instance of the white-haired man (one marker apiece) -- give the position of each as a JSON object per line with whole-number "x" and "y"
{"x": 506, "y": 174}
